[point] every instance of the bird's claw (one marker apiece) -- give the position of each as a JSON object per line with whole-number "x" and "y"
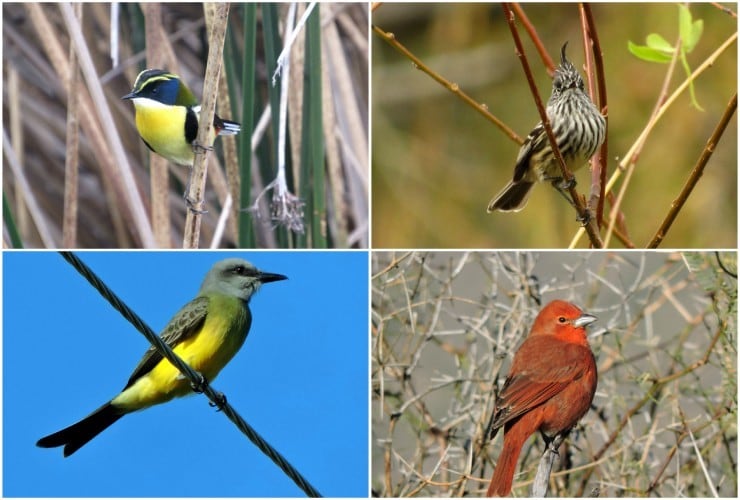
{"x": 199, "y": 148}
{"x": 220, "y": 402}
{"x": 585, "y": 218}
{"x": 565, "y": 185}
{"x": 191, "y": 205}
{"x": 199, "y": 387}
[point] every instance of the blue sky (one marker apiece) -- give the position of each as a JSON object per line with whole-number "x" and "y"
{"x": 301, "y": 379}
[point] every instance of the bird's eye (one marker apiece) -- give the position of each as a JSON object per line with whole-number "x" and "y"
{"x": 562, "y": 319}
{"x": 244, "y": 271}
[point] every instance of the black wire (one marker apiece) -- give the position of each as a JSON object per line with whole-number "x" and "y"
{"x": 197, "y": 380}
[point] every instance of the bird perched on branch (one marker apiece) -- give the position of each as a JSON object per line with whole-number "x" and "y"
{"x": 579, "y": 130}
{"x": 550, "y": 386}
{"x": 168, "y": 117}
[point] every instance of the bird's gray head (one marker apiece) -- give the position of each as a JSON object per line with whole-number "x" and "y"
{"x": 237, "y": 278}
{"x": 566, "y": 76}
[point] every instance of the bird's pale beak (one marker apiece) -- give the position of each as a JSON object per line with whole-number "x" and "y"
{"x": 584, "y": 320}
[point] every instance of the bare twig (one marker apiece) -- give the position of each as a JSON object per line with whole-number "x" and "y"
{"x": 695, "y": 175}
{"x": 390, "y": 38}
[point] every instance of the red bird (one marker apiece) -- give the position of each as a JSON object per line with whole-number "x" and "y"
{"x": 550, "y": 386}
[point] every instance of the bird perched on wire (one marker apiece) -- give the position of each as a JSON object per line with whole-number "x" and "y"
{"x": 206, "y": 333}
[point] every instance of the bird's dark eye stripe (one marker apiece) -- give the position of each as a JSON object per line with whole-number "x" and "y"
{"x": 244, "y": 271}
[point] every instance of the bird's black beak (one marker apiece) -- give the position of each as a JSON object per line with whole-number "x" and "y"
{"x": 270, "y": 277}
{"x": 130, "y": 95}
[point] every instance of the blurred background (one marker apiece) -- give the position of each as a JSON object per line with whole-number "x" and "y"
{"x": 446, "y": 325}
{"x": 326, "y": 150}
{"x": 437, "y": 162}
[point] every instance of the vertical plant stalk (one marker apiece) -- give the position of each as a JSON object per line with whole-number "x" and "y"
{"x": 157, "y": 51}
{"x": 315, "y": 147}
{"x": 273, "y": 44}
{"x": 342, "y": 131}
{"x": 72, "y": 158}
{"x": 116, "y": 164}
{"x": 17, "y": 135}
{"x": 286, "y": 208}
{"x": 283, "y": 69}
{"x": 246, "y": 235}
{"x": 216, "y": 18}
{"x": 231, "y": 162}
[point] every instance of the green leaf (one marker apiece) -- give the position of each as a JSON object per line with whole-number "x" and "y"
{"x": 648, "y": 53}
{"x": 696, "y": 30}
{"x": 689, "y": 30}
{"x": 657, "y": 42}
{"x": 684, "y": 22}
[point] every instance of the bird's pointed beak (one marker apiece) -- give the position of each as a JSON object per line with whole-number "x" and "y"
{"x": 270, "y": 277}
{"x": 584, "y": 320}
{"x": 130, "y": 95}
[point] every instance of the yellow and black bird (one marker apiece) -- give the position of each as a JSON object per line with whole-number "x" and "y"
{"x": 167, "y": 115}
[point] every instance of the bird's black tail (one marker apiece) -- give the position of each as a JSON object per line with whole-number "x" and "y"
{"x": 77, "y": 435}
{"x": 512, "y": 198}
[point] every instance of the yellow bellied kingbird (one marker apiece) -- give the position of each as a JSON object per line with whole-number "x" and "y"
{"x": 206, "y": 333}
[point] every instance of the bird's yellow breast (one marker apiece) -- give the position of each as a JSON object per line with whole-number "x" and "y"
{"x": 163, "y": 128}
{"x": 221, "y": 337}
{"x": 207, "y": 352}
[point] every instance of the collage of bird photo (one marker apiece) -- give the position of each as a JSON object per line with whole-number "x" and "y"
{"x": 369, "y": 250}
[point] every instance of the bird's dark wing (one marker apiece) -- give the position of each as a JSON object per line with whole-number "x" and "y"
{"x": 531, "y": 144}
{"x": 184, "y": 324}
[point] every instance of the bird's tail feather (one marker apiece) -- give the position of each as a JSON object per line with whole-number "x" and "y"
{"x": 512, "y": 198}
{"x": 78, "y": 434}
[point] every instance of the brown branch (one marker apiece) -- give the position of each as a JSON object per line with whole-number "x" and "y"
{"x": 583, "y": 214}
{"x": 724, "y": 9}
{"x": 591, "y": 41}
{"x": 532, "y": 32}
{"x": 390, "y": 38}
{"x": 696, "y": 174}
